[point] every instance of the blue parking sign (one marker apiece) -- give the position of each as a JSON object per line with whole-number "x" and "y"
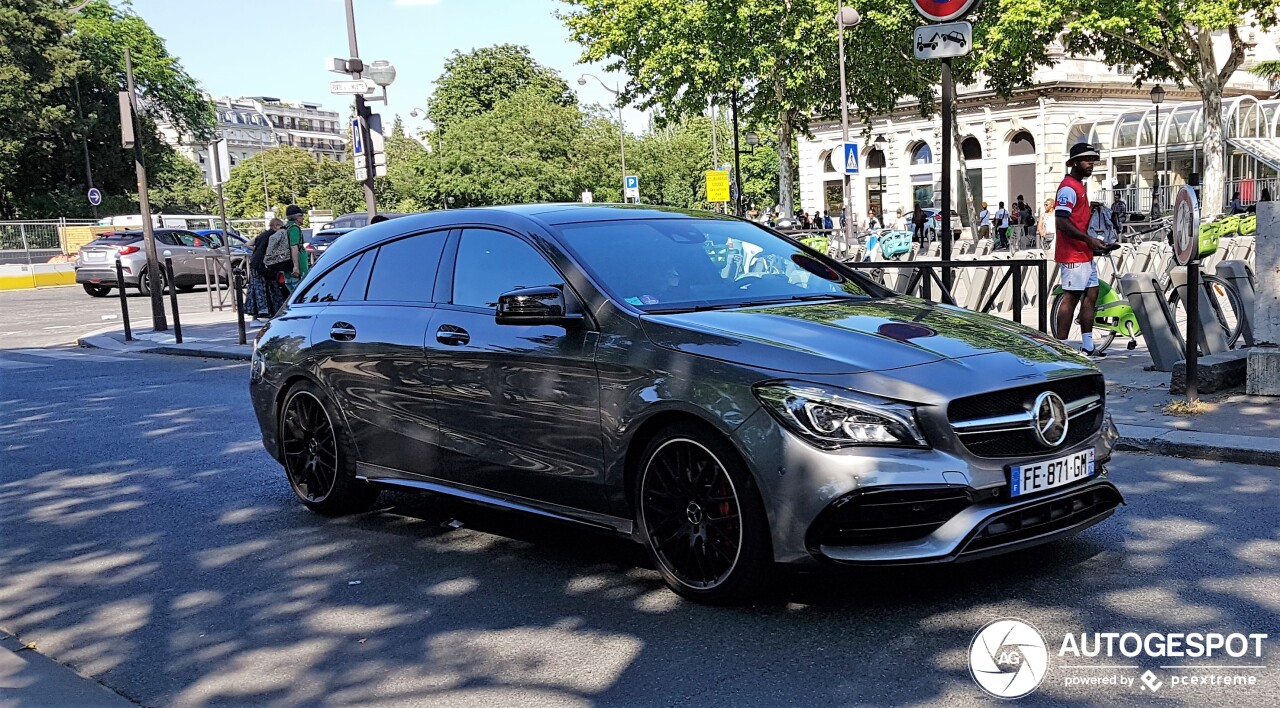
{"x": 633, "y": 182}
{"x": 850, "y": 158}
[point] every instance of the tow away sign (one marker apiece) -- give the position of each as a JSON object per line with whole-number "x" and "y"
{"x": 943, "y": 41}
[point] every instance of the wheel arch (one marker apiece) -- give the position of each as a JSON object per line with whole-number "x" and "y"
{"x": 655, "y": 424}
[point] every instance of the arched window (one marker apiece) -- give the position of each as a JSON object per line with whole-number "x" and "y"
{"x": 1022, "y": 144}
{"x": 971, "y": 148}
{"x": 921, "y": 154}
{"x": 875, "y": 159}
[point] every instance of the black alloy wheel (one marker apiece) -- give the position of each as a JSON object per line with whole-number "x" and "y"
{"x": 316, "y": 456}
{"x": 701, "y": 518}
{"x": 97, "y": 290}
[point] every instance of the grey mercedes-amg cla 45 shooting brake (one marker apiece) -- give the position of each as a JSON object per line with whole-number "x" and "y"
{"x": 703, "y": 385}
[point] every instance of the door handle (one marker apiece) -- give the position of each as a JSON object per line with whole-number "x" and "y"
{"x": 342, "y": 332}
{"x": 450, "y": 334}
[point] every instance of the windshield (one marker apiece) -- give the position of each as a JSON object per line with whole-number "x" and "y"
{"x": 667, "y": 265}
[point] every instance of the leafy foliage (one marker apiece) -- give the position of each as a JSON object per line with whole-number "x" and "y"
{"x": 474, "y": 83}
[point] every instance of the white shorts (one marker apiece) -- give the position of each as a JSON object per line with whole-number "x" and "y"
{"x": 1078, "y": 277}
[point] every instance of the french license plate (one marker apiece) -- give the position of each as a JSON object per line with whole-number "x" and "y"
{"x": 92, "y": 257}
{"x": 1039, "y": 476}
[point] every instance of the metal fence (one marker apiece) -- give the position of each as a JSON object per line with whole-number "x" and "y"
{"x": 32, "y": 242}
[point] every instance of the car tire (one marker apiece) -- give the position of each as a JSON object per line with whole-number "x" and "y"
{"x": 97, "y": 290}
{"x": 700, "y": 516}
{"x": 316, "y": 450}
{"x": 144, "y": 284}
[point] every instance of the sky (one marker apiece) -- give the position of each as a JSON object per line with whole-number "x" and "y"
{"x": 282, "y": 48}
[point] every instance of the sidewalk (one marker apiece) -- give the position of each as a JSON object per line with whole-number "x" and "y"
{"x": 1233, "y": 428}
{"x": 28, "y": 678}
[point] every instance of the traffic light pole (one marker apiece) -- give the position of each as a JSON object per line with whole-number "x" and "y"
{"x": 148, "y": 233}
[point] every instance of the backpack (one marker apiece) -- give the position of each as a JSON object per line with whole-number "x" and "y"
{"x": 278, "y": 253}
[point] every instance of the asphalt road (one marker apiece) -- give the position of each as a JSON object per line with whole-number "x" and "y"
{"x": 150, "y": 543}
{"x": 53, "y": 316}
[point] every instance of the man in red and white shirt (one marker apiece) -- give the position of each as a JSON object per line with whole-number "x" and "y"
{"x": 1074, "y": 248}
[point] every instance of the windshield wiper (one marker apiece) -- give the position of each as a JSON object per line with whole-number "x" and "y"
{"x": 826, "y": 296}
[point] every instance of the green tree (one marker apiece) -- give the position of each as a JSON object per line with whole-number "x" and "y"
{"x": 291, "y": 174}
{"x": 474, "y": 83}
{"x": 1161, "y": 39}
{"x": 60, "y": 76}
{"x": 177, "y": 186}
{"x": 521, "y": 151}
{"x": 776, "y": 59}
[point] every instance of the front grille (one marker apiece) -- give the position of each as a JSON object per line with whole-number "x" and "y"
{"x": 1023, "y": 442}
{"x": 888, "y": 514}
{"x": 1046, "y": 517}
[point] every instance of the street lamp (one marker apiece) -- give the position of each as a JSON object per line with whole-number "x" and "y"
{"x": 845, "y": 17}
{"x": 622, "y": 129}
{"x": 879, "y": 143}
{"x": 1157, "y": 97}
{"x": 381, "y": 72}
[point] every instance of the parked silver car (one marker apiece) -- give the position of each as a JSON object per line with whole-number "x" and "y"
{"x": 96, "y": 261}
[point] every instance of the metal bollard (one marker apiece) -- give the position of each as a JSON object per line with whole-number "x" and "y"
{"x": 238, "y": 282}
{"x": 1154, "y": 317}
{"x": 124, "y": 301}
{"x": 1237, "y": 273}
{"x": 173, "y": 298}
{"x": 1210, "y": 335}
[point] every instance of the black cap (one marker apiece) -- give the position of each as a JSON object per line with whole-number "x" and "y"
{"x": 293, "y": 210}
{"x": 1082, "y": 150}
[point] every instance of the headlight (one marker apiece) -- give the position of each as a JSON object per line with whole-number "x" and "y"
{"x": 832, "y": 418}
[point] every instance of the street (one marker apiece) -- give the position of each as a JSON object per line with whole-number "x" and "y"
{"x": 151, "y": 544}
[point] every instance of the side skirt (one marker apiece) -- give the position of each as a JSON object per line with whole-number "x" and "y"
{"x": 397, "y": 478}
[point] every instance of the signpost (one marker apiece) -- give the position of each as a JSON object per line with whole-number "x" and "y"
{"x": 95, "y": 197}
{"x": 357, "y": 87}
{"x": 943, "y": 41}
{"x": 850, "y": 152}
{"x": 1186, "y": 252}
{"x": 952, "y": 41}
{"x": 631, "y": 188}
{"x": 717, "y": 186}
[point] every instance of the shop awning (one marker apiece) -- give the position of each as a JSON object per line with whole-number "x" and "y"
{"x": 1265, "y": 150}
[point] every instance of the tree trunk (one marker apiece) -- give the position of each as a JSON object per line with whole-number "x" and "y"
{"x": 966, "y": 193}
{"x": 1214, "y": 173}
{"x": 784, "y": 164}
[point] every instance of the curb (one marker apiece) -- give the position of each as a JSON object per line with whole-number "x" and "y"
{"x": 111, "y": 344}
{"x": 1240, "y": 449}
{"x": 35, "y": 679}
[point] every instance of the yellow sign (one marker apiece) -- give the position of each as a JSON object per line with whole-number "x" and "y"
{"x": 717, "y": 186}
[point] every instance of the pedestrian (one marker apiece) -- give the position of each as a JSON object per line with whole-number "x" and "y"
{"x": 1044, "y": 228}
{"x": 873, "y": 224}
{"x": 1002, "y": 227}
{"x": 1266, "y": 195}
{"x": 984, "y": 222}
{"x": 827, "y": 223}
{"x": 263, "y": 297}
{"x": 1236, "y": 206}
{"x": 1075, "y": 251}
{"x": 917, "y": 225}
{"x": 301, "y": 260}
{"x": 1119, "y": 213}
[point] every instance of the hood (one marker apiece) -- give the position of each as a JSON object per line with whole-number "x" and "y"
{"x": 847, "y": 337}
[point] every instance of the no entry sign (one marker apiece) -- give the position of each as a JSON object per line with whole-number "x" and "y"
{"x": 943, "y": 10}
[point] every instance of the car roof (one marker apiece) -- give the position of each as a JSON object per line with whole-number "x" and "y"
{"x": 138, "y": 232}
{"x": 518, "y": 217}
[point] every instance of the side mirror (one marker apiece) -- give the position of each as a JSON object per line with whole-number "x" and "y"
{"x": 542, "y": 305}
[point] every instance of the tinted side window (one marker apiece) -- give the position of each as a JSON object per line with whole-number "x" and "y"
{"x": 491, "y": 263}
{"x": 168, "y": 238}
{"x": 353, "y": 291}
{"x": 406, "y": 269}
{"x": 329, "y": 286}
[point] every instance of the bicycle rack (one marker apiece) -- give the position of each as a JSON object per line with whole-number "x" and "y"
{"x": 1237, "y": 273}
{"x": 1211, "y": 339}
{"x": 1154, "y": 317}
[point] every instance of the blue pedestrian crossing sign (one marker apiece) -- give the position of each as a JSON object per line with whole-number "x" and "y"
{"x": 357, "y": 138}
{"x": 95, "y": 197}
{"x": 850, "y": 154}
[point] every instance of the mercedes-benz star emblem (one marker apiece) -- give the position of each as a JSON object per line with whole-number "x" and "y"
{"x": 1050, "y": 419}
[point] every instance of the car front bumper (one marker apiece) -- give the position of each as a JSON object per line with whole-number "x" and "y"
{"x": 801, "y": 485}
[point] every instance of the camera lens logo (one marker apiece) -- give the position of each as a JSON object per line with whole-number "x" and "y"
{"x": 1008, "y": 658}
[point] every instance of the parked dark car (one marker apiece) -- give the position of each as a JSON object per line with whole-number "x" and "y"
{"x": 701, "y": 384}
